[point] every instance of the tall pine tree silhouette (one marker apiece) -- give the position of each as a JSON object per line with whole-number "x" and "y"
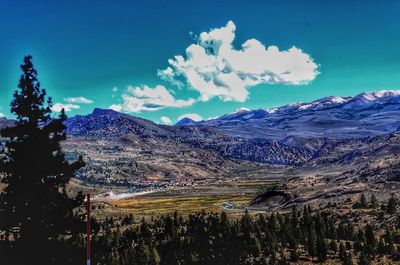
{"x": 35, "y": 211}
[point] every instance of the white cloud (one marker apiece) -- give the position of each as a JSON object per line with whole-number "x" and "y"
{"x": 115, "y": 107}
{"x": 71, "y": 104}
{"x": 166, "y": 120}
{"x": 78, "y": 100}
{"x": 168, "y": 75}
{"x": 215, "y": 68}
{"x": 67, "y": 107}
{"x": 145, "y": 98}
{"x": 192, "y": 116}
{"x": 2, "y": 115}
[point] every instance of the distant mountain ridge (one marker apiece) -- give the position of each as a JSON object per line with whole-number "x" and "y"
{"x": 186, "y": 121}
{"x": 291, "y": 134}
{"x": 364, "y": 115}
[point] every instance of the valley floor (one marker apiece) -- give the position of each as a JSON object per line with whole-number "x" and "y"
{"x": 232, "y": 196}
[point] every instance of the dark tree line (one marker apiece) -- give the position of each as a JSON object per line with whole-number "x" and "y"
{"x": 211, "y": 238}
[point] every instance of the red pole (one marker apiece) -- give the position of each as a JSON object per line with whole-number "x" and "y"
{"x": 88, "y": 230}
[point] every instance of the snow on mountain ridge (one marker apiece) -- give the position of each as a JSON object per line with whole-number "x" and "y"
{"x": 365, "y": 98}
{"x": 378, "y": 94}
{"x": 366, "y": 114}
{"x": 240, "y": 110}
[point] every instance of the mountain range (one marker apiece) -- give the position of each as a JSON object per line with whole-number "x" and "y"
{"x": 364, "y": 115}
{"x": 291, "y": 134}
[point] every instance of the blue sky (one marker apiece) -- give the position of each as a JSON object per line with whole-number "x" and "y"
{"x": 90, "y": 48}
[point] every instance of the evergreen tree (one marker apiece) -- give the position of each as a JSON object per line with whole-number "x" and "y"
{"x": 370, "y": 240}
{"x": 321, "y": 249}
{"x": 225, "y": 224}
{"x": 364, "y": 259}
{"x": 374, "y": 201}
{"x": 35, "y": 173}
{"x": 246, "y": 224}
{"x": 342, "y": 252}
{"x": 381, "y": 249}
{"x": 294, "y": 254}
{"x": 348, "y": 259}
{"x": 392, "y": 205}
{"x": 358, "y": 246}
{"x": 348, "y": 245}
{"x": 390, "y": 248}
{"x": 154, "y": 257}
{"x": 128, "y": 220}
{"x": 272, "y": 259}
{"x": 333, "y": 246}
{"x": 311, "y": 242}
{"x": 294, "y": 219}
{"x": 144, "y": 255}
{"x": 363, "y": 201}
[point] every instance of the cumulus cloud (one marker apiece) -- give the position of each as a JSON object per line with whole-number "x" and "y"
{"x": 78, "y": 100}
{"x": 146, "y": 98}
{"x": 166, "y": 120}
{"x": 115, "y": 107}
{"x": 67, "y": 107}
{"x": 72, "y": 103}
{"x": 192, "y": 116}
{"x": 215, "y": 68}
{"x": 2, "y": 115}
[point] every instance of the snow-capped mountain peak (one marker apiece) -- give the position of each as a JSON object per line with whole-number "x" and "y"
{"x": 370, "y": 96}
{"x": 241, "y": 110}
{"x": 366, "y": 114}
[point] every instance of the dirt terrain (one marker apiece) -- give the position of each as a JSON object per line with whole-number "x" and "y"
{"x": 128, "y": 179}
{"x": 371, "y": 167}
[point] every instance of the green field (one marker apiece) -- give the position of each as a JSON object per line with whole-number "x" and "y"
{"x": 185, "y": 205}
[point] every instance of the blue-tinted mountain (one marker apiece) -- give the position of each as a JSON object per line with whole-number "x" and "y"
{"x": 186, "y": 121}
{"x": 364, "y": 115}
{"x": 110, "y": 123}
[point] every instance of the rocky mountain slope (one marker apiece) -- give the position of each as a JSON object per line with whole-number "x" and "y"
{"x": 369, "y": 166}
{"x": 113, "y": 125}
